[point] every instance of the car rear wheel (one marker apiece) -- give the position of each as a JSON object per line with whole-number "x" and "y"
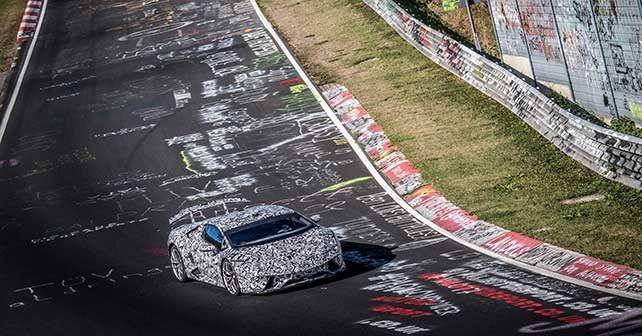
{"x": 177, "y": 264}
{"x": 229, "y": 278}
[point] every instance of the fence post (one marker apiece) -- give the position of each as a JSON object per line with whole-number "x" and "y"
{"x": 492, "y": 19}
{"x": 528, "y": 50}
{"x": 472, "y": 26}
{"x": 559, "y": 40}
{"x": 606, "y": 67}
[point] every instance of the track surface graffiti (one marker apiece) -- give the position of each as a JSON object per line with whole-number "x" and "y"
{"x": 181, "y": 103}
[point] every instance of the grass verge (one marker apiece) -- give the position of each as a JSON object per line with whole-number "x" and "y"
{"x": 476, "y": 152}
{"x": 10, "y": 15}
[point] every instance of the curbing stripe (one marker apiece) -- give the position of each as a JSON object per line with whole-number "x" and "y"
{"x": 378, "y": 177}
{"x": 585, "y": 270}
{"x": 29, "y": 21}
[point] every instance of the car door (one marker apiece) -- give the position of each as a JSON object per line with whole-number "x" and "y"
{"x": 208, "y": 253}
{"x": 192, "y": 258}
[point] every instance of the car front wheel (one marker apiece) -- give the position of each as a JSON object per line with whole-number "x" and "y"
{"x": 229, "y": 278}
{"x": 177, "y": 264}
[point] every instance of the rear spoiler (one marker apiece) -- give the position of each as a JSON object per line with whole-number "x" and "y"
{"x": 191, "y": 210}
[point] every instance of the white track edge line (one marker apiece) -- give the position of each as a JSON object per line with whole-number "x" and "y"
{"x": 23, "y": 71}
{"x": 375, "y": 173}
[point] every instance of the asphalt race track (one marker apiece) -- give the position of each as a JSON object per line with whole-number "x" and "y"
{"x": 132, "y": 110}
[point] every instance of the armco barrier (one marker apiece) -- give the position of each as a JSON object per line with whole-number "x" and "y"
{"x": 611, "y": 154}
{"x": 29, "y": 20}
{"x": 408, "y": 183}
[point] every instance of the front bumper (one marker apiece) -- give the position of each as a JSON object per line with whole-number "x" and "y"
{"x": 273, "y": 283}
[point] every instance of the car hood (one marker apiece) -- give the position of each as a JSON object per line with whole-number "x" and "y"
{"x": 291, "y": 255}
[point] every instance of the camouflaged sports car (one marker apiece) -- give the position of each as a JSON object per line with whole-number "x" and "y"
{"x": 259, "y": 250}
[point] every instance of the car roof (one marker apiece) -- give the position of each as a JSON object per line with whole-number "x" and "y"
{"x": 237, "y": 219}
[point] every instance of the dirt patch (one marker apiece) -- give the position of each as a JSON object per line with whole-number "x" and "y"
{"x": 475, "y": 151}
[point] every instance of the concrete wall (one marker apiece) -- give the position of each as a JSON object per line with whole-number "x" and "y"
{"x": 588, "y": 50}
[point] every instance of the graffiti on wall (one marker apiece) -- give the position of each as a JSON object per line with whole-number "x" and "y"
{"x": 508, "y": 27}
{"x": 619, "y": 25}
{"x": 591, "y": 48}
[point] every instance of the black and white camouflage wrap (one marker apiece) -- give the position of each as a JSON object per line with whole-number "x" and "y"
{"x": 302, "y": 258}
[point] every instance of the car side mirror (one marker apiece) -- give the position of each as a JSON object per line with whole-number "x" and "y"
{"x": 315, "y": 218}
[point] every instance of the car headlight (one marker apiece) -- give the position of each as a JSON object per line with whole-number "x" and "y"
{"x": 335, "y": 264}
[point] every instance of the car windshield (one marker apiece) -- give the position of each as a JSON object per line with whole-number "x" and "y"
{"x": 268, "y": 230}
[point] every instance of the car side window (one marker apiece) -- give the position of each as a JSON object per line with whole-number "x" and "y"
{"x": 214, "y": 236}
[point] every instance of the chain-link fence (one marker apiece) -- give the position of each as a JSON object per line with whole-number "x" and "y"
{"x": 588, "y": 50}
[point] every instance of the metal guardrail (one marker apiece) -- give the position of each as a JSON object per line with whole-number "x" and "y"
{"x": 613, "y": 155}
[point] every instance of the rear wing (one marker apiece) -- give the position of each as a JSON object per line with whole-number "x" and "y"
{"x": 173, "y": 221}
